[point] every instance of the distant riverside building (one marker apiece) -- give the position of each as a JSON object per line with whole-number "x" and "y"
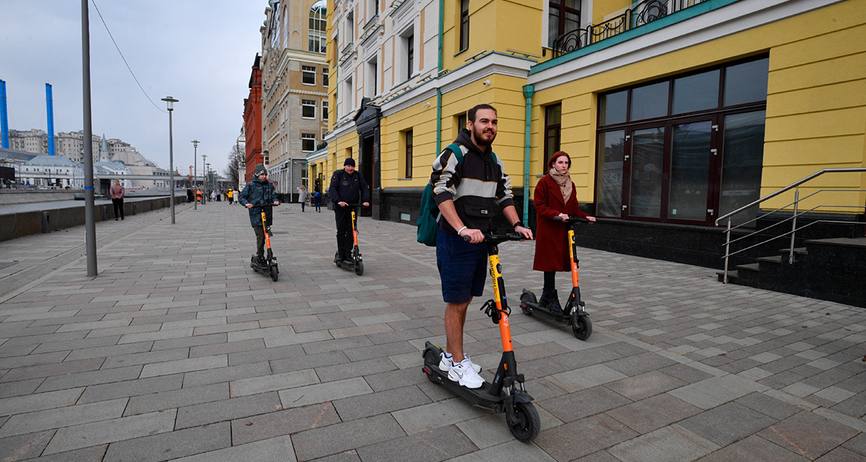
{"x": 51, "y": 171}
{"x": 35, "y": 141}
{"x": 295, "y": 80}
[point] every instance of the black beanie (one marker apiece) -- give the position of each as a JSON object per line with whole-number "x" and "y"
{"x": 349, "y": 161}
{"x": 260, "y": 169}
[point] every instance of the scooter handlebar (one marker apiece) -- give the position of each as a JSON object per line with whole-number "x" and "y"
{"x": 495, "y": 237}
{"x": 573, "y": 219}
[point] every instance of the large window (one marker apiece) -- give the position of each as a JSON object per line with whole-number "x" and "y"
{"x": 563, "y": 16}
{"x": 308, "y": 108}
{"x": 407, "y": 153}
{"x": 464, "y": 25}
{"x": 686, "y": 149}
{"x": 410, "y": 55}
{"x": 552, "y": 131}
{"x": 308, "y": 142}
{"x": 324, "y": 110}
{"x": 325, "y": 76}
{"x": 308, "y": 75}
{"x": 371, "y": 78}
{"x": 318, "y": 20}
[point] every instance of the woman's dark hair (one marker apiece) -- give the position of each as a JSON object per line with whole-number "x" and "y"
{"x": 476, "y": 108}
{"x": 557, "y": 155}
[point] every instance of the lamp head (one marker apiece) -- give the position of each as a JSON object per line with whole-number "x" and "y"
{"x": 169, "y": 102}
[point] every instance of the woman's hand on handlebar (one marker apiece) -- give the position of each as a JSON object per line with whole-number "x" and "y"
{"x": 248, "y": 205}
{"x": 591, "y": 219}
{"x": 366, "y": 204}
{"x": 562, "y": 217}
{"x": 342, "y": 204}
{"x": 276, "y": 202}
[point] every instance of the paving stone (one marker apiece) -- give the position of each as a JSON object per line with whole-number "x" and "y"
{"x": 841, "y": 454}
{"x": 225, "y": 374}
{"x": 200, "y": 414}
{"x": 396, "y": 379}
{"x": 273, "y": 450}
{"x": 93, "y": 325}
{"x": 39, "y": 401}
{"x": 354, "y": 369}
{"x": 254, "y": 385}
{"x": 377, "y": 403}
{"x": 583, "y": 403}
{"x": 188, "y": 342}
{"x": 89, "y": 378}
{"x": 177, "y": 398}
{"x": 76, "y": 344}
{"x": 653, "y": 413}
{"x": 24, "y": 446}
{"x": 109, "y": 431}
{"x": 671, "y": 443}
{"x": 727, "y": 423}
{"x": 438, "y": 414}
{"x": 336, "y": 345}
{"x": 23, "y": 387}
{"x": 170, "y": 445}
{"x": 267, "y": 354}
{"x": 94, "y": 393}
{"x": 226, "y": 348}
{"x": 379, "y": 351}
{"x": 645, "y": 385}
{"x": 21, "y": 424}
{"x": 325, "y": 441}
{"x": 857, "y": 444}
{"x": 91, "y": 454}
{"x": 585, "y": 378}
{"x": 110, "y": 350}
{"x": 685, "y": 373}
{"x": 487, "y": 430}
{"x": 639, "y": 364}
{"x": 319, "y": 393}
{"x": 596, "y": 433}
{"x": 302, "y": 361}
{"x": 714, "y": 391}
{"x": 753, "y": 448}
{"x": 184, "y": 365}
{"x": 283, "y": 422}
{"x": 146, "y": 358}
{"x": 808, "y": 434}
{"x": 448, "y": 441}
{"x": 45, "y": 370}
{"x": 768, "y": 405}
{"x": 155, "y": 335}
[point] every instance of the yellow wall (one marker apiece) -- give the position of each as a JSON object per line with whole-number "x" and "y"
{"x": 816, "y": 104}
{"x": 337, "y": 150}
{"x": 604, "y": 9}
{"x": 494, "y": 25}
{"x": 504, "y": 93}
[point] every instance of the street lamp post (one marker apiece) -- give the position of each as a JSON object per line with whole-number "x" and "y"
{"x": 195, "y": 172}
{"x": 169, "y": 104}
{"x": 89, "y": 206}
{"x": 204, "y": 186}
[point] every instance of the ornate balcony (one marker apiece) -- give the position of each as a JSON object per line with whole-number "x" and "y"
{"x": 640, "y": 14}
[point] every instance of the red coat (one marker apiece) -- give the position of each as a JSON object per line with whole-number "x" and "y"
{"x": 551, "y": 248}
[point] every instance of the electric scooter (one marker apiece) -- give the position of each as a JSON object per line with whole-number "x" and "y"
{"x": 574, "y": 312}
{"x": 269, "y": 268}
{"x": 506, "y": 392}
{"x": 356, "y": 264}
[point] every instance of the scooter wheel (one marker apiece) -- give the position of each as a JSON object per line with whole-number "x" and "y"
{"x": 359, "y": 268}
{"x": 525, "y": 424}
{"x": 275, "y": 273}
{"x": 526, "y": 298}
{"x": 581, "y": 325}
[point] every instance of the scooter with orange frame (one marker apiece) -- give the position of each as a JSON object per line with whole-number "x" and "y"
{"x": 356, "y": 264}
{"x": 574, "y": 312}
{"x": 506, "y": 393}
{"x": 270, "y": 267}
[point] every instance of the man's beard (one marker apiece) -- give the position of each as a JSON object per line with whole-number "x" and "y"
{"x": 479, "y": 140}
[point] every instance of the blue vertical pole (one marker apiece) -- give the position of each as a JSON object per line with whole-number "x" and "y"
{"x": 49, "y": 103}
{"x": 4, "y": 118}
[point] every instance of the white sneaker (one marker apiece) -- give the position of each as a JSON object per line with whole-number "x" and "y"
{"x": 465, "y": 375}
{"x": 447, "y": 362}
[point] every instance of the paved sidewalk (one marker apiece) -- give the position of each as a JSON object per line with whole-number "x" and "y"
{"x": 179, "y": 351}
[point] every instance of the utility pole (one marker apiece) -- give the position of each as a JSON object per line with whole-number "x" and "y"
{"x": 169, "y": 103}
{"x": 195, "y": 172}
{"x": 89, "y": 208}
{"x": 203, "y": 164}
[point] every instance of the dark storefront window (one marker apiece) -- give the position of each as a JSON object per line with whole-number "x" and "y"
{"x": 685, "y": 149}
{"x": 552, "y": 131}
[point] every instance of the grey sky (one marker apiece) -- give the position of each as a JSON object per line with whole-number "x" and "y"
{"x": 199, "y": 51}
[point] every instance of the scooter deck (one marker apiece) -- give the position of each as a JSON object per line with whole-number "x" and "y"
{"x": 481, "y": 397}
{"x": 536, "y": 308}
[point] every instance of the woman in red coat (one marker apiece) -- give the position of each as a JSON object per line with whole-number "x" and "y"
{"x": 555, "y": 200}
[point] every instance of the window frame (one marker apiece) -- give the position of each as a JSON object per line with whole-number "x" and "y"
{"x": 547, "y": 127}
{"x": 463, "y": 26}
{"x": 308, "y": 137}
{"x": 305, "y": 105}
{"x": 408, "y": 149}
{"x": 562, "y": 9}
{"x": 325, "y": 108}
{"x": 308, "y": 70}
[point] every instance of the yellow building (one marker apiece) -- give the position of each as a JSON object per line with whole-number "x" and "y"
{"x": 674, "y": 112}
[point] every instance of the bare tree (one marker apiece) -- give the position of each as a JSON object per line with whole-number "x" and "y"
{"x": 231, "y": 171}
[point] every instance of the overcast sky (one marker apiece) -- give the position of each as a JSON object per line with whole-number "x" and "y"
{"x": 199, "y": 51}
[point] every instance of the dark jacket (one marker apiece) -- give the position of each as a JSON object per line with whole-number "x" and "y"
{"x": 551, "y": 248}
{"x": 261, "y": 195}
{"x": 351, "y": 189}
{"x": 478, "y": 186}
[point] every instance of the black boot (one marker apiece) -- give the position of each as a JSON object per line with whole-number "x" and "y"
{"x": 550, "y": 300}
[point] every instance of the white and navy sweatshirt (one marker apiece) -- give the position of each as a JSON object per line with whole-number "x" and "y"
{"x": 479, "y": 186}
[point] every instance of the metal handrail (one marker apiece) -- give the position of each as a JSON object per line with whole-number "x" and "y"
{"x": 798, "y": 229}
{"x": 793, "y": 218}
{"x": 764, "y": 215}
{"x": 792, "y": 186}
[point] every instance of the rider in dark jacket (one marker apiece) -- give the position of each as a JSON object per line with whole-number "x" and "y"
{"x": 347, "y": 189}
{"x": 258, "y": 195}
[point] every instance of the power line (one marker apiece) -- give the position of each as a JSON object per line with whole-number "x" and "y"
{"x": 99, "y": 13}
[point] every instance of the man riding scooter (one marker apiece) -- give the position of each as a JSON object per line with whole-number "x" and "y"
{"x": 258, "y": 196}
{"x": 347, "y": 187}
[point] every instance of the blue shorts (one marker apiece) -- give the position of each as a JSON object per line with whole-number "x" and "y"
{"x": 462, "y": 267}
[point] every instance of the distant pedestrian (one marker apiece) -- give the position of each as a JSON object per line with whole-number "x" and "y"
{"x": 199, "y": 196}
{"x": 230, "y": 194}
{"x": 189, "y": 195}
{"x": 213, "y": 195}
{"x": 117, "y": 192}
{"x": 317, "y": 200}
{"x": 302, "y": 196}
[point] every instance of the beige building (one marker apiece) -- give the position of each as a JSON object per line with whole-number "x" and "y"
{"x": 34, "y": 140}
{"x": 294, "y": 88}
